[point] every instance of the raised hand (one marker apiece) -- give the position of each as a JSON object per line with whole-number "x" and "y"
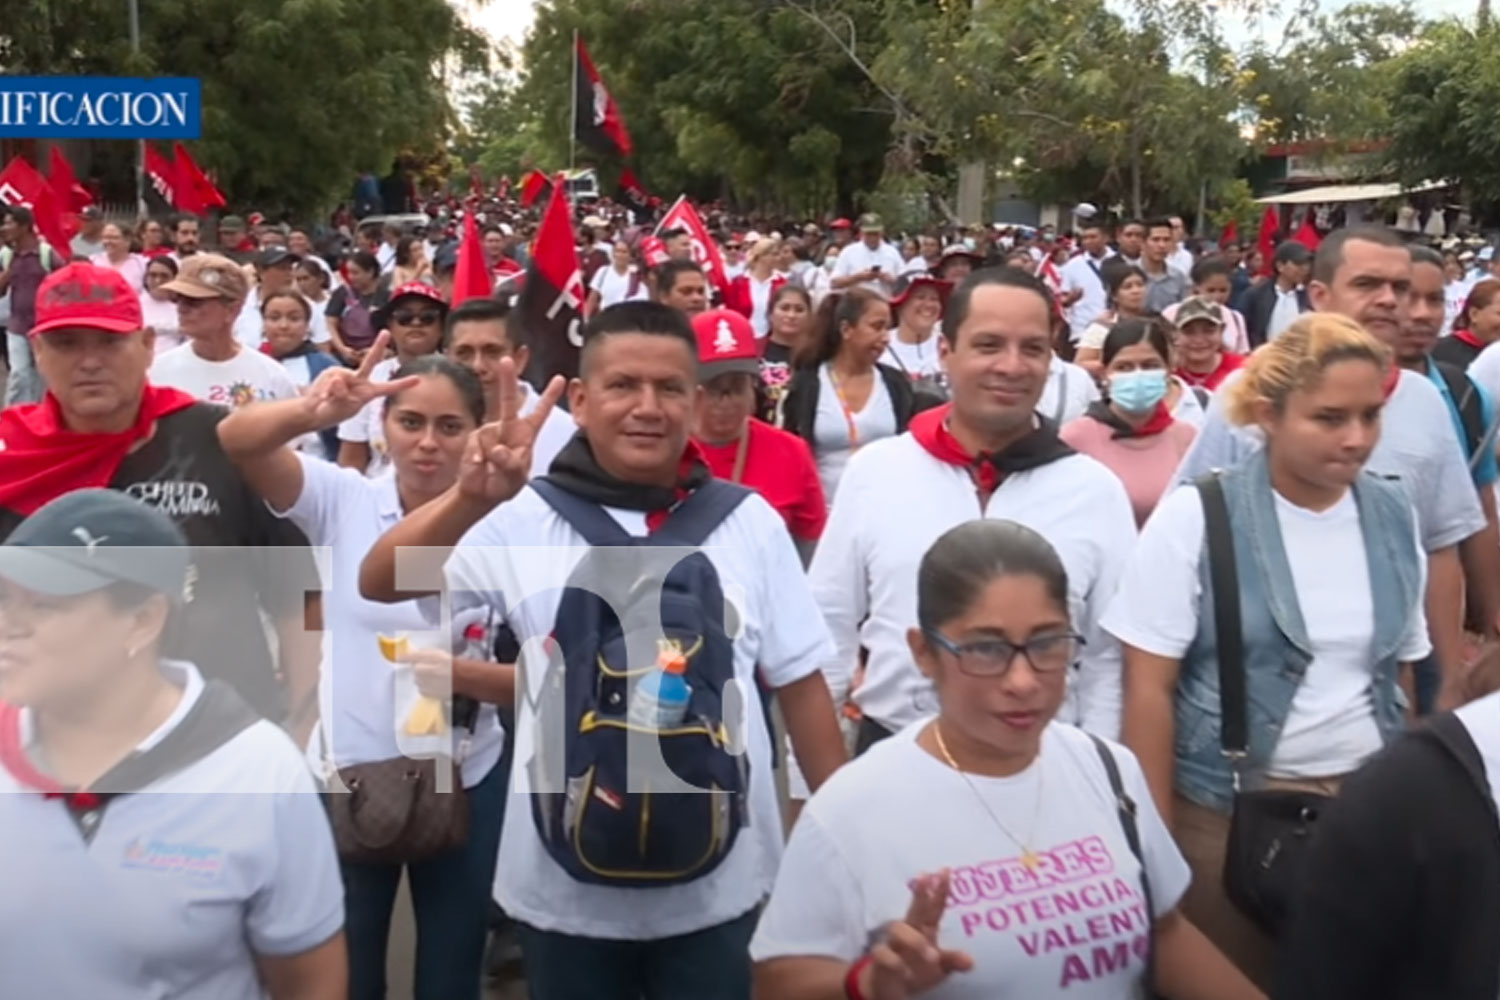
{"x": 497, "y": 459}
{"x": 908, "y": 961}
{"x": 340, "y": 393}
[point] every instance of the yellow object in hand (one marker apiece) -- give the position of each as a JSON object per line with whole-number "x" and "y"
{"x": 393, "y": 648}
{"x": 426, "y": 718}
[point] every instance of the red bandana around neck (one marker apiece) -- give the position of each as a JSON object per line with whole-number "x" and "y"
{"x": 40, "y": 459}
{"x": 1467, "y": 337}
{"x": 930, "y": 429}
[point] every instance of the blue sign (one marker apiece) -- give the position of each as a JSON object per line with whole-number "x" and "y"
{"x": 100, "y": 107}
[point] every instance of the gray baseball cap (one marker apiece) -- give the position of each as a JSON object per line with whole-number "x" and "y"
{"x": 89, "y": 539}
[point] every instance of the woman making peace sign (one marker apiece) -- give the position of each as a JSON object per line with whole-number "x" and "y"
{"x": 988, "y": 852}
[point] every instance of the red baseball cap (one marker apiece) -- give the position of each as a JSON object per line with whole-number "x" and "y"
{"x": 82, "y": 296}
{"x": 840, "y": 224}
{"x": 726, "y": 345}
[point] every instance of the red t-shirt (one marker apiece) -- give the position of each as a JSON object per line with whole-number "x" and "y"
{"x": 780, "y": 467}
{"x": 1227, "y": 363}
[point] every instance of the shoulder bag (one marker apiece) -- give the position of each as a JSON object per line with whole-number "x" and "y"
{"x": 1269, "y": 830}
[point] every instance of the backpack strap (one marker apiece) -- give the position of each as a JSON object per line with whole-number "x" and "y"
{"x": 586, "y": 517}
{"x": 700, "y": 514}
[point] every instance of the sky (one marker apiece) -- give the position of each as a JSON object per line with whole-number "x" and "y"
{"x": 509, "y": 19}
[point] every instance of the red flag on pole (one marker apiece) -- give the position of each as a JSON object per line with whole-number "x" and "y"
{"x": 533, "y": 187}
{"x": 205, "y": 192}
{"x": 1230, "y": 235}
{"x": 1307, "y": 233}
{"x": 168, "y": 181}
{"x": 71, "y": 195}
{"x": 705, "y": 251}
{"x": 471, "y": 278}
{"x": 1270, "y": 229}
{"x": 551, "y": 302}
{"x": 23, "y": 184}
{"x": 596, "y": 117}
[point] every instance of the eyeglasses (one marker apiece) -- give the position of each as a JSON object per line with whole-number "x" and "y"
{"x": 1047, "y": 654}
{"x": 424, "y": 318}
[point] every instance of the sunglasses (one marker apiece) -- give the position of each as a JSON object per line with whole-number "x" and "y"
{"x": 427, "y": 317}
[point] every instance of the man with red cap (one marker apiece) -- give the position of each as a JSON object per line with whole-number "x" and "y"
{"x": 776, "y": 464}
{"x": 102, "y": 423}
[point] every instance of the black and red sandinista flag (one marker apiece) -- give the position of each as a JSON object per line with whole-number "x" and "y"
{"x": 633, "y": 194}
{"x": 534, "y": 186}
{"x": 596, "y": 116}
{"x": 551, "y": 303}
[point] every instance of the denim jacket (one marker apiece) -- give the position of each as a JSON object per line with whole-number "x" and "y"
{"x": 1277, "y": 648}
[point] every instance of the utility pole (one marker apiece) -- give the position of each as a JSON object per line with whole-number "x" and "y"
{"x": 1484, "y": 14}
{"x": 971, "y": 177}
{"x": 140, "y": 146}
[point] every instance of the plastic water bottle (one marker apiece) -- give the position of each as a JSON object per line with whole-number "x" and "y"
{"x": 661, "y": 697}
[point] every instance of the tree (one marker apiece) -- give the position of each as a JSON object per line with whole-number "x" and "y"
{"x": 299, "y": 96}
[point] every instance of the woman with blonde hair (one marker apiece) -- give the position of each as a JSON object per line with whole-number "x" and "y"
{"x": 1268, "y": 618}
{"x": 750, "y": 293}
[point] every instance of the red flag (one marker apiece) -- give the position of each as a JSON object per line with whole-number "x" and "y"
{"x": 705, "y": 251}
{"x": 205, "y": 192}
{"x": 23, "y": 184}
{"x": 169, "y": 183}
{"x": 1270, "y": 228}
{"x": 596, "y": 117}
{"x": 1307, "y": 233}
{"x": 533, "y": 187}
{"x": 1230, "y": 235}
{"x": 653, "y": 251}
{"x": 551, "y": 302}
{"x": 471, "y": 278}
{"x": 71, "y": 195}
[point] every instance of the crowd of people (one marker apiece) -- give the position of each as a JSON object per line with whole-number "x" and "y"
{"x": 1124, "y": 605}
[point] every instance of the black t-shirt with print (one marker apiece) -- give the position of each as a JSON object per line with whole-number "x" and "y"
{"x": 183, "y": 471}
{"x": 775, "y": 379}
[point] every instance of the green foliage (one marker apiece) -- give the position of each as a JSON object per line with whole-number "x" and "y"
{"x": 1237, "y": 205}
{"x": 299, "y": 96}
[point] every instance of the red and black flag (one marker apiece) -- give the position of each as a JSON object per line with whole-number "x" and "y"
{"x": 551, "y": 302}
{"x": 633, "y": 195}
{"x": 534, "y": 186}
{"x": 596, "y": 117}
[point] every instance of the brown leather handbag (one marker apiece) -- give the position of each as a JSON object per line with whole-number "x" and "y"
{"x": 395, "y": 812}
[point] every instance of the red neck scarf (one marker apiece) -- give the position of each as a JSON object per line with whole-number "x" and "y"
{"x": 40, "y": 459}
{"x": 1467, "y": 336}
{"x": 987, "y": 469}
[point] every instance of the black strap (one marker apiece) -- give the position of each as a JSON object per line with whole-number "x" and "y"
{"x": 689, "y": 524}
{"x": 1234, "y": 729}
{"x": 1125, "y": 806}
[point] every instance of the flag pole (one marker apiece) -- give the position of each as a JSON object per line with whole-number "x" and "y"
{"x": 573, "y": 121}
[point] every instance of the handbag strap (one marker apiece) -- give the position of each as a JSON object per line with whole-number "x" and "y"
{"x": 1125, "y": 806}
{"x": 1234, "y": 730}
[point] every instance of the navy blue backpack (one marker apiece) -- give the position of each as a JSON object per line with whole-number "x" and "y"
{"x": 599, "y": 829}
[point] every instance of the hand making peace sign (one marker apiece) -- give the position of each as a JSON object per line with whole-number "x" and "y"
{"x": 340, "y": 393}
{"x": 497, "y": 459}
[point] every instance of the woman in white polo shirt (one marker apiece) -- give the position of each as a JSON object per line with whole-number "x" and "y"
{"x": 990, "y": 851}
{"x": 430, "y": 406}
{"x": 157, "y": 837}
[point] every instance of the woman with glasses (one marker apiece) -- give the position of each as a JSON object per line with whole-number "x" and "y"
{"x": 415, "y": 316}
{"x": 157, "y": 307}
{"x": 986, "y": 851}
{"x": 152, "y": 239}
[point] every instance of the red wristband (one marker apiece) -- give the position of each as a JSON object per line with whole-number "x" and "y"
{"x": 851, "y": 981}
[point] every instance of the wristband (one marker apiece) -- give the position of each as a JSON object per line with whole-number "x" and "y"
{"x": 851, "y": 981}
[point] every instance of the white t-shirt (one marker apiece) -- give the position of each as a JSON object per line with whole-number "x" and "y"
{"x": 1181, "y": 259}
{"x": 857, "y": 257}
{"x": 181, "y": 886}
{"x": 1077, "y": 927}
{"x": 1083, "y": 273}
{"x": 833, "y": 440}
{"x": 250, "y": 325}
{"x": 614, "y": 288}
{"x": 916, "y": 360}
{"x": 161, "y": 317}
{"x": 1330, "y": 729}
{"x": 364, "y": 700}
{"x": 1482, "y": 719}
{"x": 132, "y": 268}
{"x": 1068, "y": 392}
{"x": 1455, "y": 294}
{"x": 1417, "y": 446}
{"x": 1288, "y": 307}
{"x": 248, "y": 377}
{"x": 760, "y": 305}
{"x": 517, "y": 560}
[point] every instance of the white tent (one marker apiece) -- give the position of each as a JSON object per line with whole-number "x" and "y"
{"x": 1347, "y": 192}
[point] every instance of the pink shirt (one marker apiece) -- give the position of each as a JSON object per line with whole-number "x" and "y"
{"x": 1144, "y": 464}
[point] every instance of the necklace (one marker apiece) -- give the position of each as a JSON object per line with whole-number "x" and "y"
{"x": 1029, "y": 857}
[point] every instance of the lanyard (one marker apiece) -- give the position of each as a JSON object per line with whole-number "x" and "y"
{"x": 838, "y": 390}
